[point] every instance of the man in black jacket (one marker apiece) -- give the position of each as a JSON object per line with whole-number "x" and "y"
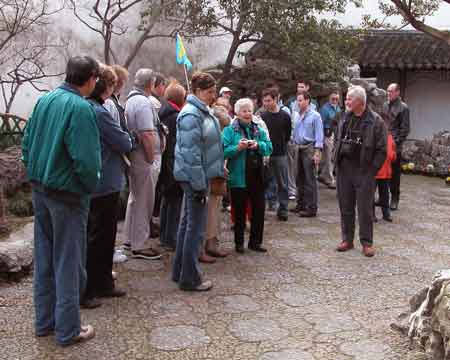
{"x": 360, "y": 145}
{"x": 399, "y": 127}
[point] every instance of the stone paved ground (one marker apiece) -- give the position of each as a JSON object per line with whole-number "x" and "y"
{"x": 302, "y": 301}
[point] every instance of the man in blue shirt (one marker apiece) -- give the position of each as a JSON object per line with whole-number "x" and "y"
{"x": 308, "y": 135}
{"x": 330, "y": 113}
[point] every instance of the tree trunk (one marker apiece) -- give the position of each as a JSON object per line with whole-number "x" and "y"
{"x": 227, "y": 67}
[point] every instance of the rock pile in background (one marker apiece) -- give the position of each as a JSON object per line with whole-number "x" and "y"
{"x": 429, "y": 156}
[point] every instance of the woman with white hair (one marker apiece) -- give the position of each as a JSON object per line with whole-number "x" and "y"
{"x": 360, "y": 152}
{"x": 245, "y": 145}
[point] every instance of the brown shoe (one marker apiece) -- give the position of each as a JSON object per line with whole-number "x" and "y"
{"x": 344, "y": 246}
{"x": 211, "y": 249}
{"x": 203, "y": 258}
{"x": 368, "y": 250}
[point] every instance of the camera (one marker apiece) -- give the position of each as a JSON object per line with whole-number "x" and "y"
{"x": 349, "y": 146}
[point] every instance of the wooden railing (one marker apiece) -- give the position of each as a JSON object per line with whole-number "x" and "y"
{"x": 11, "y": 130}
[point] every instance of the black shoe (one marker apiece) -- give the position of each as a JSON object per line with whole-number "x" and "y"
{"x": 111, "y": 293}
{"x": 394, "y": 204}
{"x": 387, "y": 218}
{"x": 307, "y": 214}
{"x": 282, "y": 217}
{"x": 90, "y": 303}
{"x": 240, "y": 249}
{"x": 297, "y": 209}
{"x": 258, "y": 248}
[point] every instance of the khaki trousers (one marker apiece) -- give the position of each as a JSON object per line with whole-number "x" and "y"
{"x": 326, "y": 165}
{"x": 142, "y": 179}
{"x": 214, "y": 217}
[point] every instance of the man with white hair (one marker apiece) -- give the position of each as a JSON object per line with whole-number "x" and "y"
{"x": 360, "y": 145}
{"x": 142, "y": 118}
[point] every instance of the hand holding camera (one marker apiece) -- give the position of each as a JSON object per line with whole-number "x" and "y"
{"x": 252, "y": 144}
{"x": 243, "y": 144}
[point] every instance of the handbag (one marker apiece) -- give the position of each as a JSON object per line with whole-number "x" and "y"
{"x": 218, "y": 186}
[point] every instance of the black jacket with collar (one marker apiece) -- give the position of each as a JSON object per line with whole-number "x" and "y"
{"x": 399, "y": 125}
{"x": 374, "y": 140}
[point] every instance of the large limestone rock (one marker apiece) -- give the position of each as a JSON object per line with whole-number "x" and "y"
{"x": 428, "y": 322}
{"x": 16, "y": 253}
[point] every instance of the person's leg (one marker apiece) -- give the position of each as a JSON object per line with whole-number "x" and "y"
{"x": 326, "y": 167}
{"x": 190, "y": 276}
{"x": 44, "y": 279}
{"x": 139, "y": 208}
{"x": 280, "y": 167}
{"x": 271, "y": 190}
{"x": 383, "y": 191}
{"x": 292, "y": 169}
{"x": 256, "y": 197}
{"x": 69, "y": 220}
{"x": 309, "y": 181}
{"x": 102, "y": 231}
{"x": 163, "y": 221}
{"x": 170, "y": 219}
{"x": 181, "y": 238}
{"x": 395, "y": 182}
{"x": 239, "y": 202}
{"x": 300, "y": 181}
{"x": 347, "y": 201}
{"x": 365, "y": 190}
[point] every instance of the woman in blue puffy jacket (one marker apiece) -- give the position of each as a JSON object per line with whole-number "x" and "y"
{"x": 198, "y": 159}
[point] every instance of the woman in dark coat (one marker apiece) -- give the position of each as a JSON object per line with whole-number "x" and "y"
{"x": 172, "y": 193}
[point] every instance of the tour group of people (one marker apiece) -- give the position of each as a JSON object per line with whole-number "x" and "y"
{"x": 187, "y": 155}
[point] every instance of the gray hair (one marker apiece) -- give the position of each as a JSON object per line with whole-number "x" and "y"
{"x": 359, "y": 92}
{"x": 143, "y": 78}
{"x": 241, "y": 103}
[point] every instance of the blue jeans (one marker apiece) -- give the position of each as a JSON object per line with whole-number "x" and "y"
{"x": 279, "y": 169}
{"x": 191, "y": 231}
{"x": 59, "y": 262}
{"x": 169, "y": 220}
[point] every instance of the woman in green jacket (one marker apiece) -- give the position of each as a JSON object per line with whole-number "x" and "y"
{"x": 245, "y": 145}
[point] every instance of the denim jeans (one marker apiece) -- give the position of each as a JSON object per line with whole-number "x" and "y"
{"x": 279, "y": 169}
{"x": 169, "y": 220}
{"x": 191, "y": 231}
{"x": 59, "y": 262}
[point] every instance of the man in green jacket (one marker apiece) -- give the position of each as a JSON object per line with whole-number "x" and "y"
{"x": 61, "y": 153}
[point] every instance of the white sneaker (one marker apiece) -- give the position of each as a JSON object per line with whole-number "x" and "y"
{"x": 119, "y": 257}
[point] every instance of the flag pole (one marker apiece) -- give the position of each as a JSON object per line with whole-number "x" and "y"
{"x": 187, "y": 79}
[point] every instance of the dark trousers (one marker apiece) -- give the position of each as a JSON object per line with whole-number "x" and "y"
{"x": 395, "y": 180}
{"x": 355, "y": 188}
{"x": 169, "y": 220}
{"x": 102, "y": 230}
{"x": 307, "y": 193}
{"x": 383, "y": 196}
{"x": 254, "y": 192}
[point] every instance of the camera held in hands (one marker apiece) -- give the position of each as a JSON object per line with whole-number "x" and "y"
{"x": 349, "y": 146}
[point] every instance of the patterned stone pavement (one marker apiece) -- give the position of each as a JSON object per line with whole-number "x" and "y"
{"x": 302, "y": 301}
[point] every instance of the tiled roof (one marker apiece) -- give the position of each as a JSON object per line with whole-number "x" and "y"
{"x": 403, "y": 49}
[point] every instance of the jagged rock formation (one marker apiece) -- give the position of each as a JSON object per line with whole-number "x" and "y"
{"x": 427, "y": 324}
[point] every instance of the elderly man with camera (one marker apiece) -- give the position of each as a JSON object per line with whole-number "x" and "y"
{"x": 360, "y": 152}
